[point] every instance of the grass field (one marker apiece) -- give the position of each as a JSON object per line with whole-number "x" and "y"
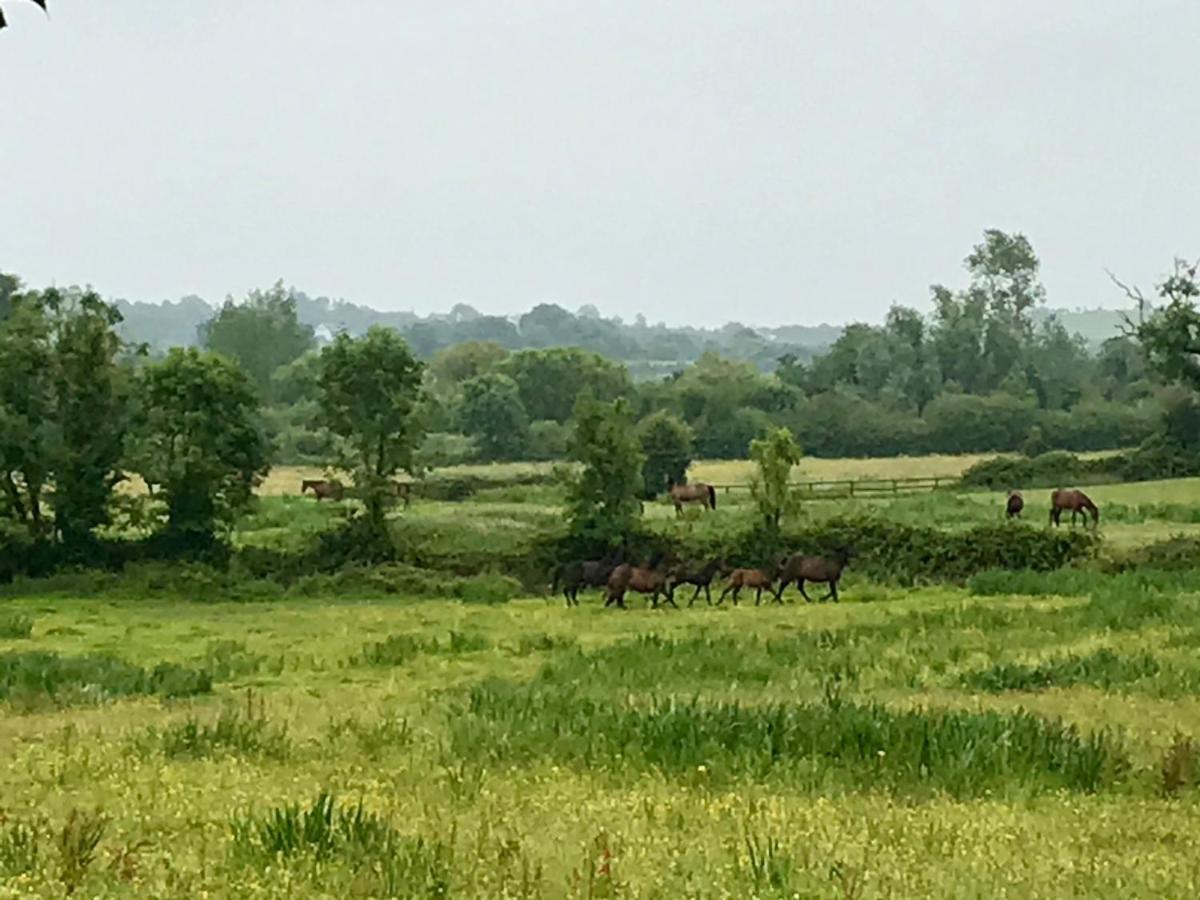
{"x": 1022, "y": 735}
{"x": 619, "y": 779}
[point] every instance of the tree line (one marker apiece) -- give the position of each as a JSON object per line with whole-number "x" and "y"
{"x": 83, "y": 411}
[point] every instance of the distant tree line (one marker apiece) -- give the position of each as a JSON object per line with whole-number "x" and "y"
{"x": 83, "y": 411}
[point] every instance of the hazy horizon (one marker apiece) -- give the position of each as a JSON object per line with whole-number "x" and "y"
{"x": 766, "y": 163}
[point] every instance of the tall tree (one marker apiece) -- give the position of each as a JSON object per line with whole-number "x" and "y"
{"x": 1171, "y": 334}
{"x": 29, "y": 433}
{"x": 369, "y": 389}
{"x": 197, "y": 442}
{"x": 774, "y": 457}
{"x": 261, "y": 334}
{"x": 491, "y": 413}
{"x": 551, "y": 380}
{"x": 602, "y": 499}
{"x": 667, "y": 447}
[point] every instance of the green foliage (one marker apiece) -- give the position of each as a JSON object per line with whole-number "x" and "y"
{"x": 77, "y": 843}
{"x": 547, "y": 440}
{"x": 63, "y": 411}
{"x": 549, "y": 381}
{"x": 667, "y": 447}
{"x": 1103, "y": 669}
{"x": 389, "y": 864}
{"x": 369, "y": 389}
{"x": 808, "y": 746}
{"x": 196, "y": 441}
{"x": 602, "y": 498}
{"x": 20, "y": 849}
{"x": 492, "y": 414}
{"x": 234, "y": 732}
{"x": 16, "y": 626}
{"x": 31, "y": 674}
{"x": 1170, "y": 336}
{"x": 1049, "y": 470}
{"x": 774, "y": 457}
{"x": 465, "y": 361}
{"x": 261, "y": 334}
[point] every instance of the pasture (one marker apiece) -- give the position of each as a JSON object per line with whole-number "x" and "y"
{"x": 384, "y": 735}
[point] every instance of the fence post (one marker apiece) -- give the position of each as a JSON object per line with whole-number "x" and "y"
{"x": 851, "y": 488}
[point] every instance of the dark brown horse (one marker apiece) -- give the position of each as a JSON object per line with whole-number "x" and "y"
{"x": 322, "y": 489}
{"x": 702, "y": 493}
{"x": 576, "y": 576}
{"x": 642, "y": 580}
{"x": 758, "y": 579}
{"x": 820, "y": 569}
{"x": 1015, "y": 504}
{"x": 701, "y": 576}
{"x": 1077, "y": 502}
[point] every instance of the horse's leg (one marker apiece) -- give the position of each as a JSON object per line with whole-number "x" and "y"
{"x": 779, "y": 591}
{"x": 737, "y": 590}
{"x": 707, "y": 593}
{"x": 695, "y": 594}
{"x": 721, "y": 599}
{"x": 833, "y": 590}
{"x": 803, "y": 592}
{"x": 671, "y": 599}
{"x": 758, "y": 597}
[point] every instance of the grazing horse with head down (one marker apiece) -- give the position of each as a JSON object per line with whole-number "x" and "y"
{"x": 704, "y": 494}
{"x": 322, "y": 489}
{"x": 1077, "y": 502}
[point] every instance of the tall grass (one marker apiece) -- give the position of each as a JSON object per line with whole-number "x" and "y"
{"x": 810, "y": 746}
{"x": 1103, "y": 668}
{"x": 16, "y": 626}
{"x": 95, "y": 678}
{"x": 365, "y": 842}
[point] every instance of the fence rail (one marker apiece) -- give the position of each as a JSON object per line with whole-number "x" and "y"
{"x": 859, "y": 487}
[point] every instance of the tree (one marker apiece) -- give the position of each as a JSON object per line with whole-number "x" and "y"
{"x": 10, "y": 286}
{"x": 667, "y": 447}
{"x": 491, "y": 412}
{"x": 196, "y": 441}
{"x": 462, "y": 362}
{"x": 63, "y": 410}
{"x": 28, "y": 428}
{"x": 602, "y": 499}
{"x": 369, "y": 390}
{"x": 92, "y": 409}
{"x": 1171, "y": 335}
{"x": 774, "y": 456}
{"x": 551, "y": 380}
{"x": 261, "y": 334}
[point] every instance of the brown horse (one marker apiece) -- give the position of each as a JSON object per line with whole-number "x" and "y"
{"x": 822, "y": 570}
{"x": 758, "y": 579}
{"x": 702, "y": 493}
{"x": 642, "y": 580}
{"x": 1015, "y": 504}
{"x": 700, "y": 576}
{"x": 322, "y": 489}
{"x": 575, "y": 576}
{"x": 1077, "y": 502}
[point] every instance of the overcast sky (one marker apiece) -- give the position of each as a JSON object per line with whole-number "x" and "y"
{"x": 695, "y": 161}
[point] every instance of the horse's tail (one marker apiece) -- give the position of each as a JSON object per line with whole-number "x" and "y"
{"x": 554, "y": 578}
{"x": 712, "y": 496}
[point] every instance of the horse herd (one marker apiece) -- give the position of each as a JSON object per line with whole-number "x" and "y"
{"x": 617, "y": 578}
{"x": 659, "y": 580}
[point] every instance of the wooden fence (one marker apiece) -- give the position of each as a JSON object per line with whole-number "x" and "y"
{"x": 859, "y": 487}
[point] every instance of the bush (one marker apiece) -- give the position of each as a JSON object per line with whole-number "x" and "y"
{"x": 444, "y": 449}
{"x": 548, "y": 440}
{"x": 1054, "y": 469}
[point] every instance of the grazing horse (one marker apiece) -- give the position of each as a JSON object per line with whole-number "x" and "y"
{"x": 758, "y": 579}
{"x": 575, "y": 576}
{"x": 821, "y": 569}
{"x": 1077, "y": 502}
{"x": 704, "y": 494}
{"x": 322, "y": 489}
{"x": 701, "y": 576}
{"x": 642, "y": 580}
{"x": 1015, "y": 504}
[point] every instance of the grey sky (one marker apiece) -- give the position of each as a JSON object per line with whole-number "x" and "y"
{"x": 695, "y": 161}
